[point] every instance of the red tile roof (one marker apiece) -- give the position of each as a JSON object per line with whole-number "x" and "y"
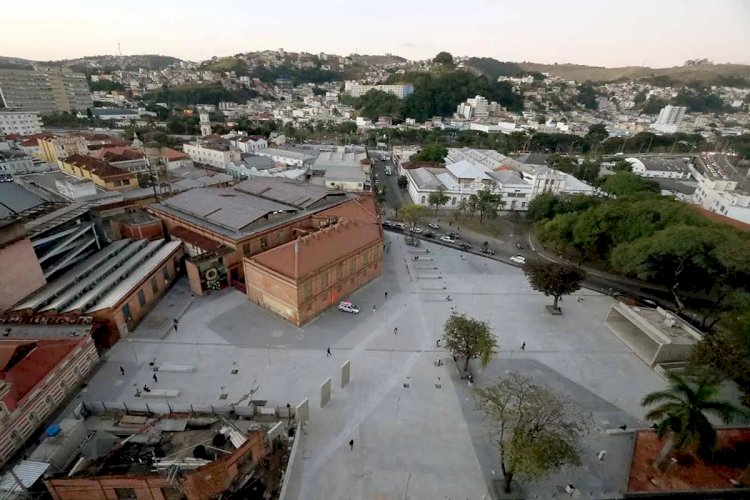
{"x": 24, "y": 375}
{"x": 174, "y": 155}
{"x": 320, "y": 249}
{"x": 97, "y": 167}
{"x": 722, "y": 219}
{"x": 362, "y": 209}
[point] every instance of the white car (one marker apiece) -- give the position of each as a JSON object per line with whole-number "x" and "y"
{"x": 518, "y": 259}
{"x": 434, "y": 226}
{"x": 448, "y": 239}
{"x": 416, "y": 229}
{"x": 347, "y": 306}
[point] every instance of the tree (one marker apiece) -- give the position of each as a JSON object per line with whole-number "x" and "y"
{"x": 681, "y": 412}
{"x": 431, "y": 152}
{"x": 412, "y": 214}
{"x": 537, "y": 430}
{"x": 622, "y": 166}
{"x": 553, "y": 279}
{"x": 469, "y": 338}
{"x": 627, "y": 183}
{"x": 403, "y": 182}
{"x": 487, "y": 203}
{"x": 438, "y": 198}
{"x": 597, "y": 133}
{"x": 380, "y": 193}
{"x": 587, "y": 96}
{"x": 443, "y": 58}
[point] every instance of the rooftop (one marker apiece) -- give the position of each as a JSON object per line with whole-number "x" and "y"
{"x": 296, "y": 154}
{"x": 289, "y": 192}
{"x": 15, "y": 199}
{"x": 96, "y": 167}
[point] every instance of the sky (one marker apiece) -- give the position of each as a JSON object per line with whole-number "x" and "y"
{"x": 654, "y": 33}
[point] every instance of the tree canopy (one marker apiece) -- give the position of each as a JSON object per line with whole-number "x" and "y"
{"x": 438, "y": 198}
{"x": 537, "y": 430}
{"x": 431, "y": 152}
{"x": 443, "y": 58}
{"x": 376, "y": 103}
{"x": 469, "y": 338}
{"x": 627, "y": 183}
{"x": 552, "y": 278}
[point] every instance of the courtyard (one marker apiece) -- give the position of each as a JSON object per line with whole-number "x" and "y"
{"x": 415, "y": 430}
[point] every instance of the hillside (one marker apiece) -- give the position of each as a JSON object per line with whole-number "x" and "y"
{"x": 378, "y": 60}
{"x": 91, "y": 64}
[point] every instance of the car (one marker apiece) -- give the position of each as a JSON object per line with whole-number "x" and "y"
{"x": 448, "y": 238}
{"x": 387, "y": 223}
{"x": 455, "y": 236}
{"x": 646, "y": 302}
{"x": 347, "y": 306}
{"x": 518, "y": 259}
{"x": 434, "y": 226}
{"x": 428, "y": 234}
{"x": 465, "y": 246}
{"x": 487, "y": 251}
{"x": 399, "y": 225}
{"x": 416, "y": 229}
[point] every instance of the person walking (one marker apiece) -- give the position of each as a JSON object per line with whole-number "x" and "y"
{"x": 328, "y": 352}
{"x": 374, "y": 308}
{"x": 174, "y": 323}
{"x": 523, "y": 346}
{"x": 386, "y": 295}
{"x": 395, "y": 331}
{"x": 351, "y": 444}
{"x": 437, "y": 344}
{"x": 122, "y": 371}
{"x": 156, "y": 380}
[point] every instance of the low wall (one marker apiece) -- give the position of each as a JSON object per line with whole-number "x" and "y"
{"x": 296, "y": 447}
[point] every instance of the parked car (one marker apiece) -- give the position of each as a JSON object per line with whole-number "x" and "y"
{"x": 487, "y": 251}
{"x": 455, "y": 236}
{"x": 518, "y": 259}
{"x": 643, "y": 301}
{"x": 387, "y": 223}
{"x": 434, "y": 226}
{"x": 428, "y": 234}
{"x": 416, "y": 229}
{"x": 448, "y": 238}
{"x": 399, "y": 225}
{"x": 465, "y": 246}
{"x": 347, "y": 306}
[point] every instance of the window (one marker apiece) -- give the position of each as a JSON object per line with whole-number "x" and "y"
{"x": 125, "y": 494}
{"x": 353, "y": 265}
{"x": 246, "y": 249}
{"x": 165, "y": 273}
{"x": 339, "y": 272}
{"x": 263, "y": 243}
{"x": 141, "y": 298}
{"x": 154, "y": 285}
{"x": 126, "y": 313}
{"x": 33, "y": 418}
{"x": 50, "y": 401}
{"x": 324, "y": 279}
{"x": 308, "y": 290}
{"x": 364, "y": 259}
{"x": 16, "y": 436}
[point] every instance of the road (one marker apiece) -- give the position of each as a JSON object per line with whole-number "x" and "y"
{"x": 394, "y": 197}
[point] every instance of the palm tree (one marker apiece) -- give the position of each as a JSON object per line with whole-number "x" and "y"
{"x": 682, "y": 409}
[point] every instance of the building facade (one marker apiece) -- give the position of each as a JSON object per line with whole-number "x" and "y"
{"x": 45, "y": 91}
{"x": 670, "y": 118}
{"x": 100, "y": 172}
{"x": 400, "y": 90}
{"x": 25, "y": 275}
{"x": 217, "y": 157}
{"x": 20, "y": 122}
{"x": 43, "y": 365}
{"x": 52, "y": 149}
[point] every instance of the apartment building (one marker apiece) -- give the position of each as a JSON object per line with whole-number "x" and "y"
{"x": 20, "y": 122}
{"x": 400, "y": 90}
{"x": 52, "y": 149}
{"x": 670, "y": 118}
{"x": 46, "y": 91}
{"x": 43, "y": 361}
{"x": 100, "y": 172}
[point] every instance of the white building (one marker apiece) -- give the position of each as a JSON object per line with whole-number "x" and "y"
{"x": 669, "y": 120}
{"x": 14, "y": 163}
{"x": 662, "y": 168}
{"x": 249, "y": 144}
{"x": 722, "y": 197}
{"x": 291, "y": 157}
{"x": 400, "y": 90}
{"x": 215, "y": 156}
{"x": 20, "y": 122}
{"x": 74, "y": 188}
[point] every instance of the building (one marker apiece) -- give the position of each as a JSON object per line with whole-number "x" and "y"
{"x": 52, "y": 149}
{"x": 117, "y": 285}
{"x": 175, "y": 159}
{"x": 215, "y": 155}
{"x": 345, "y": 167}
{"x": 249, "y": 144}
{"x": 205, "y": 123}
{"x": 196, "y": 456}
{"x": 74, "y": 188}
{"x": 339, "y": 252}
{"x": 478, "y": 108}
{"x": 25, "y": 275}
{"x": 46, "y": 91}
{"x": 662, "y": 168}
{"x": 400, "y": 90}
{"x": 293, "y": 157}
{"x": 717, "y": 190}
{"x": 15, "y": 163}
{"x": 43, "y": 361}
{"x": 123, "y": 157}
{"x": 102, "y": 173}
{"x": 661, "y": 339}
{"x": 669, "y": 120}
{"x": 115, "y": 114}
{"x": 20, "y": 122}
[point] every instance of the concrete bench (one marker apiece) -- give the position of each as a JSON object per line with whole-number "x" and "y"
{"x": 161, "y": 393}
{"x": 174, "y": 368}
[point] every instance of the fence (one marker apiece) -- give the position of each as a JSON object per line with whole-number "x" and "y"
{"x": 164, "y": 408}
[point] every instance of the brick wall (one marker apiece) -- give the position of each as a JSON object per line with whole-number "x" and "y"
{"x": 23, "y": 277}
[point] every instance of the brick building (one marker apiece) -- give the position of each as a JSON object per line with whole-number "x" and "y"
{"x": 42, "y": 363}
{"x": 102, "y": 173}
{"x": 25, "y": 275}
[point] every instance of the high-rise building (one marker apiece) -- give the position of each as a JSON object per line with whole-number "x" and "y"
{"x": 669, "y": 119}
{"x": 46, "y": 91}
{"x": 20, "y": 122}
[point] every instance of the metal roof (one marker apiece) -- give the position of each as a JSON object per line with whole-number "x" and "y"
{"x": 143, "y": 270}
{"x": 297, "y": 194}
{"x": 27, "y": 471}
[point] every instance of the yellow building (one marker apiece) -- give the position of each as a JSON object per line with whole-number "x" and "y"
{"x": 53, "y": 149}
{"x": 100, "y": 172}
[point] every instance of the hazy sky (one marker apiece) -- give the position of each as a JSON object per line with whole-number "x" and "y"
{"x": 597, "y": 32}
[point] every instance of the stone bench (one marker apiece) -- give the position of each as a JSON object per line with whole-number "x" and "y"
{"x": 160, "y": 393}
{"x": 174, "y": 368}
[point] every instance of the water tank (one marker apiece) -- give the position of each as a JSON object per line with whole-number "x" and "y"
{"x": 53, "y": 430}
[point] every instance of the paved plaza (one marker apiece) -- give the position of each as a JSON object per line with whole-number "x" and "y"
{"x": 415, "y": 430}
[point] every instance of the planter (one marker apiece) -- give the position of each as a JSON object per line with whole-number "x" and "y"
{"x": 516, "y": 492}
{"x": 553, "y": 311}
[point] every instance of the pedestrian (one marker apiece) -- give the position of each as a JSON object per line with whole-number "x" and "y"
{"x": 351, "y": 444}
{"x": 437, "y": 344}
{"x": 122, "y": 371}
{"x": 174, "y": 322}
{"x": 156, "y": 380}
{"x": 328, "y": 352}
{"x": 374, "y": 308}
{"x": 145, "y": 388}
{"x": 395, "y": 331}
{"x": 523, "y": 346}
{"x": 386, "y": 295}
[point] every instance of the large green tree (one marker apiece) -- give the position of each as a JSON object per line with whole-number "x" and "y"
{"x": 537, "y": 430}
{"x": 553, "y": 279}
{"x": 469, "y": 338}
{"x": 443, "y": 58}
{"x": 627, "y": 183}
{"x": 681, "y": 413}
{"x": 431, "y": 152}
{"x": 487, "y": 203}
{"x": 438, "y": 198}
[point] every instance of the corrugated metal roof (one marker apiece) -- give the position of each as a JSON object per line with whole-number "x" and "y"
{"x": 27, "y": 471}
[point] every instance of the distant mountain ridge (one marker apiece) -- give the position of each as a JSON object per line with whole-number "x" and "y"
{"x": 493, "y": 68}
